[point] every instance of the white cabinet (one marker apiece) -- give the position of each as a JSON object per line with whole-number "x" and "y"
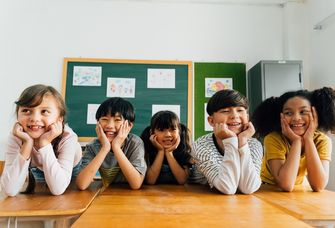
{"x": 272, "y": 78}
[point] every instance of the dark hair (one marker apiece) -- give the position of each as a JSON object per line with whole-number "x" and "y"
{"x": 114, "y": 106}
{"x": 266, "y": 117}
{"x": 166, "y": 120}
{"x": 224, "y": 99}
{"x": 32, "y": 97}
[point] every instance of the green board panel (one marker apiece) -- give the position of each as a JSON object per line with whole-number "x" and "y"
{"x": 236, "y": 71}
{"x": 77, "y": 98}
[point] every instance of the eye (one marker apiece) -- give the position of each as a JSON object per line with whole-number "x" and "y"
{"x": 25, "y": 111}
{"x": 288, "y": 113}
{"x": 103, "y": 119}
{"x": 225, "y": 111}
{"x": 305, "y": 112}
{"x": 45, "y": 111}
{"x": 118, "y": 119}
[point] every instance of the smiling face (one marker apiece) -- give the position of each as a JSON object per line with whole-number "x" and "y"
{"x": 234, "y": 117}
{"x": 36, "y": 120}
{"x": 111, "y": 125}
{"x": 166, "y": 137}
{"x": 296, "y": 111}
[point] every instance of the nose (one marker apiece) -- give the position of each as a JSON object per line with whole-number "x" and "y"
{"x": 110, "y": 124}
{"x": 35, "y": 116}
{"x": 233, "y": 114}
{"x": 296, "y": 116}
{"x": 167, "y": 133}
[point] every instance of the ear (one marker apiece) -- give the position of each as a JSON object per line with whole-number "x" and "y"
{"x": 61, "y": 119}
{"x": 210, "y": 120}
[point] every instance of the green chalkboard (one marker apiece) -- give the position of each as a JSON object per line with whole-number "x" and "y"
{"x": 228, "y": 72}
{"x": 78, "y": 94}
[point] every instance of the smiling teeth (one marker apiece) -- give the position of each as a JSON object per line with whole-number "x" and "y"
{"x": 35, "y": 127}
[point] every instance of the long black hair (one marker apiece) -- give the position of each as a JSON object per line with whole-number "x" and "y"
{"x": 166, "y": 120}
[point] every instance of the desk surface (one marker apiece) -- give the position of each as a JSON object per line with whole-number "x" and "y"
{"x": 176, "y": 206}
{"x": 302, "y": 203}
{"x": 42, "y": 203}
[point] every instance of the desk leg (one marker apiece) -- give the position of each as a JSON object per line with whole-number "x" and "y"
{"x": 9, "y": 220}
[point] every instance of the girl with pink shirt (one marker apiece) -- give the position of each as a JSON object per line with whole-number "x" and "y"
{"x": 40, "y": 145}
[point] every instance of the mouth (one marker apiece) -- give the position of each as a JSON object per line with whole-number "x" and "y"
{"x": 297, "y": 125}
{"x": 167, "y": 141}
{"x": 110, "y": 133}
{"x": 234, "y": 125}
{"x": 35, "y": 127}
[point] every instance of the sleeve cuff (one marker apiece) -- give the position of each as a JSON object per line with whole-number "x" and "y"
{"x": 232, "y": 140}
{"x": 244, "y": 149}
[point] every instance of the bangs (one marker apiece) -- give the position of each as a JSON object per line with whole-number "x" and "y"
{"x": 164, "y": 120}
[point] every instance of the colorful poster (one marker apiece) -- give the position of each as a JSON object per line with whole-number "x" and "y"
{"x": 86, "y": 76}
{"x": 121, "y": 87}
{"x": 212, "y": 85}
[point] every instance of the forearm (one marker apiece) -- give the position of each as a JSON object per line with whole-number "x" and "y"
{"x": 179, "y": 172}
{"x": 134, "y": 178}
{"x": 154, "y": 170}
{"x": 86, "y": 175}
{"x": 287, "y": 173}
{"x": 229, "y": 170}
{"x": 316, "y": 173}
{"x": 14, "y": 175}
{"x": 250, "y": 179}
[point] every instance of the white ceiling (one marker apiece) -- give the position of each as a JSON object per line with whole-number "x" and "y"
{"x": 246, "y": 2}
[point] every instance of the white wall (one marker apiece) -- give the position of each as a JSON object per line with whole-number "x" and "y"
{"x": 322, "y": 56}
{"x": 36, "y": 35}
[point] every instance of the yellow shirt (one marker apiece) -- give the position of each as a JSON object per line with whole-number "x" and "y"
{"x": 276, "y": 146}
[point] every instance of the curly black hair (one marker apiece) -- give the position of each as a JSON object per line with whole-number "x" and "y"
{"x": 266, "y": 117}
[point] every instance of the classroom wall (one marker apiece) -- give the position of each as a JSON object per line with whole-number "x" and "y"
{"x": 38, "y": 34}
{"x": 322, "y": 55}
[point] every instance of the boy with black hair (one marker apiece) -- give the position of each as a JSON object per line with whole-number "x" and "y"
{"x": 229, "y": 158}
{"x": 116, "y": 153}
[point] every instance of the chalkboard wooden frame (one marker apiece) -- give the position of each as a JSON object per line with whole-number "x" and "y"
{"x": 181, "y": 95}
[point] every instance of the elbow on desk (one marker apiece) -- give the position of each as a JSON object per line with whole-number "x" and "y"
{"x": 57, "y": 191}
{"x": 10, "y": 192}
{"x": 227, "y": 190}
{"x": 286, "y": 187}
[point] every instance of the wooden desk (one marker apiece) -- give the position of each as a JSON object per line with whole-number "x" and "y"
{"x": 180, "y": 206}
{"x": 314, "y": 208}
{"x": 42, "y": 206}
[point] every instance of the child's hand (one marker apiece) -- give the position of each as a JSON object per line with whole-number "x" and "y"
{"x": 102, "y": 137}
{"x": 286, "y": 130}
{"x": 173, "y": 146}
{"x": 153, "y": 140}
{"x": 53, "y": 131}
{"x": 313, "y": 124}
{"x": 247, "y": 132}
{"x": 122, "y": 134}
{"x": 221, "y": 131}
{"x": 18, "y": 132}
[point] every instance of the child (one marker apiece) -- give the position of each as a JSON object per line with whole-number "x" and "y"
{"x": 41, "y": 142}
{"x": 229, "y": 158}
{"x": 167, "y": 149}
{"x": 118, "y": 154}
{"x": 294, "y": 145}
